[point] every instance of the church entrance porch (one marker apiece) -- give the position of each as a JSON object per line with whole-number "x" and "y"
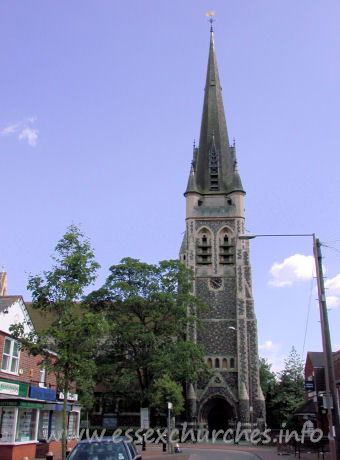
{"x": 217, "y": 414}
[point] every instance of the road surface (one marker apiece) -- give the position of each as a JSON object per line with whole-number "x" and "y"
{"x": 218, "y": 454}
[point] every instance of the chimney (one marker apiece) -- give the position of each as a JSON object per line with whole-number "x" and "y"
{"x": 3, "y": 282}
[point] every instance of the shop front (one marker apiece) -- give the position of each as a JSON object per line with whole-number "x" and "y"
{"x": 18, "y": 428}
{"x": 31, "y": 421}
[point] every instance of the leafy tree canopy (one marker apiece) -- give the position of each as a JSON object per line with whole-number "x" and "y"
{"x": 150, "y": 308}
{"x": 267, "y": 377}
{"x": 74, "y": 332}
{"x": 288, "y": 393}
{"x": 167, "y": 390}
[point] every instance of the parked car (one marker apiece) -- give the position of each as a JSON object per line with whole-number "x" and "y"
{"x": 106, "y": 449}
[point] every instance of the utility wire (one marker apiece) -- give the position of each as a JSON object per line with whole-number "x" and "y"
{"x": 331, "y": 247}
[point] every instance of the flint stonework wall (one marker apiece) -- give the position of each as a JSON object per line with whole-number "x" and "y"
{"x": 221, "y": 303}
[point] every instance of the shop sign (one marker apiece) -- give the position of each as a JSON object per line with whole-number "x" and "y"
{"x": 57, "y": 407}
{"x": 8, "y": 403}
{"x": 70, "y": 396}
{"x": 31, "y": 404}
{"x": 49, "y": 406}
{"x": 60, "y": 407}
{"x": 42, "y": 393}
{"x": 13, "y": 388}
{"x": 9, "y": 388}
{"x": 309, "y": 385}
{"x": 26, "y": 404}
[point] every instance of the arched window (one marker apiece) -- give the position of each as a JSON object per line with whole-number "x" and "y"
{"x": 232, "y": 363}
{"x": 225, "y": 363}
{"x": 226, "y": 248}
{"x": 209, "y": 363}
{"x": 203, "y": 247}
{"x": 217, "y": 363}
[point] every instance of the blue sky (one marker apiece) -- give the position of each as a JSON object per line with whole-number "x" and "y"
{"x": 101, "y": 102}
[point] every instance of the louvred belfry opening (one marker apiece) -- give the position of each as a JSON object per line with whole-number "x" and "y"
{"x": 213, "y": 167}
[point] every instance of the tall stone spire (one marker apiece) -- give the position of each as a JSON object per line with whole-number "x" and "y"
{"x": 222, "y": 274}
{"x": 214, "y": 131}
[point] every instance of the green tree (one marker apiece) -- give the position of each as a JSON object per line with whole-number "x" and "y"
{"x": 289, "y": 392}
{"x": 267, "y": 377}
{"x": 268, "y": 380}
{"x": 150, "y": 309}
{"x": 73, "y": 334}
{"x": 167, "y": 390}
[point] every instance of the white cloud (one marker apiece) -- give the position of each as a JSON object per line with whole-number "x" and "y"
{"x": 31, "y": 135}
{"x": 10, "y": 129}
{"x": 332, "y": 286}
{"x": 332, "y": 301}
{"x": 23, "y": 130}
{"x": 269, "y": 345}
{"x": 271, "y": 352}
{"x": 292, "y": 269}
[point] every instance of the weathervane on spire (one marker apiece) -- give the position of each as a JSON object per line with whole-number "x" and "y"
{"x": 211, "y": 19}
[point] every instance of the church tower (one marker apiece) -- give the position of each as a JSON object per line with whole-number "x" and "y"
{"x": 221, "y": 263}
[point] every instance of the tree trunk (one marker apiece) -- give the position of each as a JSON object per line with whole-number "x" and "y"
{"x": 64, "y": 437}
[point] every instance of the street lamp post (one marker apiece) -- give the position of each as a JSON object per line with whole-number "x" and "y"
{"x": 326, "y": 341}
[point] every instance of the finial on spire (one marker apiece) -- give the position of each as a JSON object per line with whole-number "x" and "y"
{"x": 211, "y": 19}
{"x": 3, "y": 268}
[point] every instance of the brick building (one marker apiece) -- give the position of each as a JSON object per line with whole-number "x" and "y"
{"x": 221, "y": 263}
{"x": 30, "y": 407}
{"x": 315, "y": 408}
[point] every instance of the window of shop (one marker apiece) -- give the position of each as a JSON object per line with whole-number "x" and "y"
{"x": 57, "y": 421}
{"x": 72, "y": 425}
{"x": 7, "y": 424}
{"x": 10, "y": 357}
{"x": 44, "y": 421}
{"x": 26, "y": 425}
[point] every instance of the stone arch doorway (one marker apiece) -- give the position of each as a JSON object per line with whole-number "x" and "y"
{"x": 217, "y": 413}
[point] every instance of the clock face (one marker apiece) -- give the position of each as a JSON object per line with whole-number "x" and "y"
{"x": 215, "y": 283}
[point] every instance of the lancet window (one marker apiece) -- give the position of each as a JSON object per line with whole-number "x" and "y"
{"x": 203, "y": 247}
{"x": 226, "y": 248}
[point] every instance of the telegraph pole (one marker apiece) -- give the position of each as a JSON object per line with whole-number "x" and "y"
{"x": 331, "y": 389}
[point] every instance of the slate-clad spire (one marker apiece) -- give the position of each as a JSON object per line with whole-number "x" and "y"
{"x": 214, "y": 129}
